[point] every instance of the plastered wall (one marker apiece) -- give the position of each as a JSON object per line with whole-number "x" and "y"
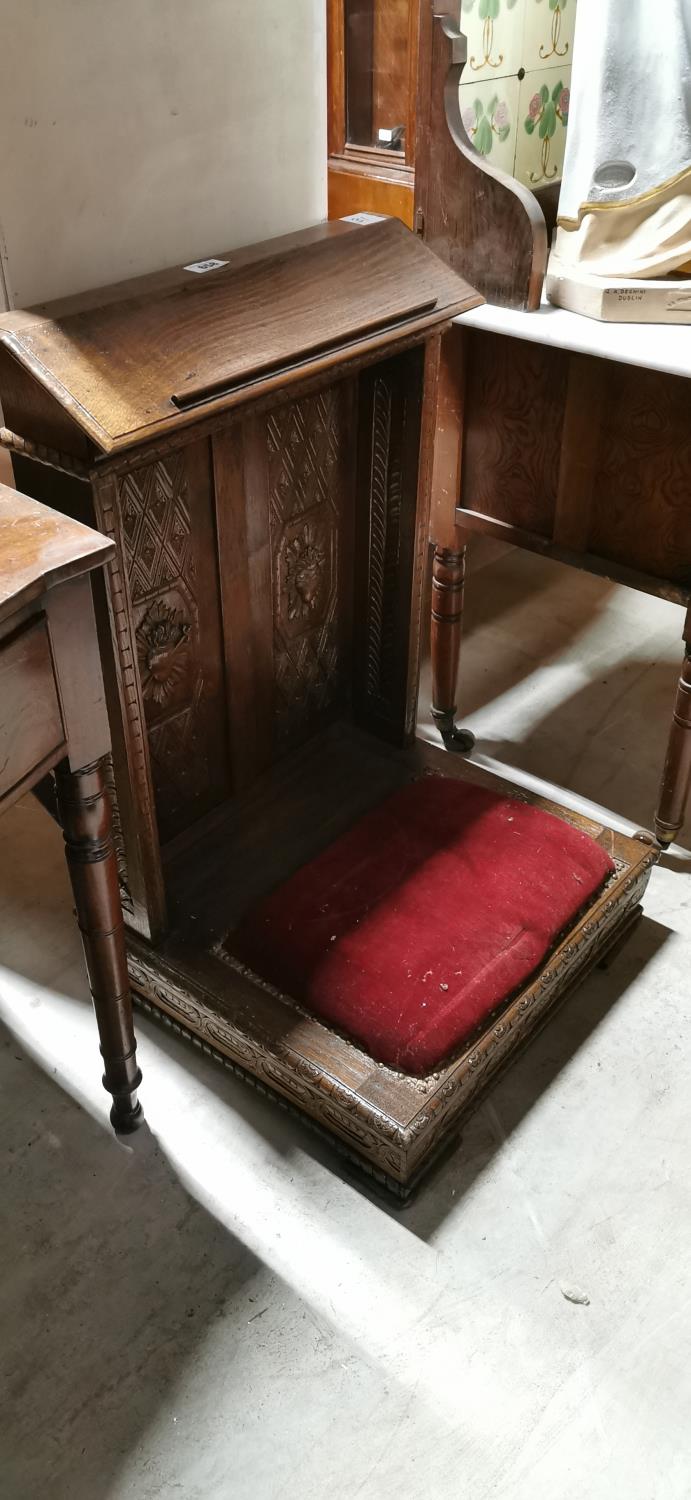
{"x": 136, "y": 134}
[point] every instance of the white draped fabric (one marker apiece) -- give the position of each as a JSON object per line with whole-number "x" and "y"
{"x": 625, "y": 203}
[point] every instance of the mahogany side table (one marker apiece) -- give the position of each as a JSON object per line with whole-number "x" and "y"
{"x": 53, "y": 718}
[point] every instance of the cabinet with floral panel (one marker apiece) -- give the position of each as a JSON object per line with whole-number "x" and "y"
{"x": 515, "y": 89}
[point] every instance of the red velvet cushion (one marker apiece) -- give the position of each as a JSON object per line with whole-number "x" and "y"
{"x": 421, "y": 919}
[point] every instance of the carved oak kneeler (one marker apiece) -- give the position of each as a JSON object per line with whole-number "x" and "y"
{"x": 257, "y": 438}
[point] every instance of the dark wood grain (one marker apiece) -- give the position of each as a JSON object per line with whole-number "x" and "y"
{"x": 581, "y": 439}
{"x": 514, "y": 411}
{"x": 335, "y": 76}
{"x": 482, "y": 221}
{"x": 371, "y": 82}
{"x": 31, "y": 727}
{"x": 32, "y": 412}
{"x": 116, "y": 368}
{"x": 359, "y": 27}
{"x": 356, "y": 189}
{"x": 244, "y": 556}
{"x": 643, "y": 476}
{"x": 392, "y": 96}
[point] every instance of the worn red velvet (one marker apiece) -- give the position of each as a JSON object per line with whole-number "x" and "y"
{"x": 419, "y": 921}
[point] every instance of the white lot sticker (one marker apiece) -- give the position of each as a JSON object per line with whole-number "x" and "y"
{"x": 364, "y": 218}
{"x": 205, "y": 265}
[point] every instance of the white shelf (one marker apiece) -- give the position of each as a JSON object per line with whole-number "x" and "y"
{"x": 651, "y": 346}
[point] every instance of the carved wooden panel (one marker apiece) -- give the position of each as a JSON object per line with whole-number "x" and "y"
{"x": 642, "y": 514}
{"x": 307, "y": 445}
{"x": 515, "y": 394}
{"x": 389, "y": 433}
{"x": 169, "y": 544}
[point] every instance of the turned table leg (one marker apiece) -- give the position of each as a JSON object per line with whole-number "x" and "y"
{"x": 448, "y": 568}
{"x": 85, "y": 814}
{"x": 448, "y": 578}
{"x": 676, "y": 777}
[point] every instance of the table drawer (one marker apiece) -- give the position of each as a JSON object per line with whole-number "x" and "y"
{"x": 31, "y": 727}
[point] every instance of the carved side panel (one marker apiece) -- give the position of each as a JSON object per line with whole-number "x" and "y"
{"x": 307, "y": 446}
{"x": 388, "y": 463}
{"x": 169, "y": 546}
{"x": 515, "y": 396}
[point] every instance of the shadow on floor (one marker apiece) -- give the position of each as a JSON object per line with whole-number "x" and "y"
{"x": 551, "y": 604}
{"x": 584, "y": 745}
{"x": 118, "y": 1273}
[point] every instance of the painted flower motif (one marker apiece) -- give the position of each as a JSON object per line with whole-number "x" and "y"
{"x": 557, "y": 8}
{"x": 488, "y": 12}
{"x": 483, "y": 124}
{"x": 546, "y": 111}
{"x": 501, "y": 115}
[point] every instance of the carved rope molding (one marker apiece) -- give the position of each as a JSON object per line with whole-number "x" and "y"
{"x": 53, "y": 458}
{"x": 386, "y": 489}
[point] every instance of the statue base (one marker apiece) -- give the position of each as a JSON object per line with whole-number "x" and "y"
{"x": 618, "y": 300}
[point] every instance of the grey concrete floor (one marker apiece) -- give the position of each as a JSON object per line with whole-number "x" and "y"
{"x": 216, "y": 1309}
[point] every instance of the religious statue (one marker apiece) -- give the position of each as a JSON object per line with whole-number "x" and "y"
{"x": 623, "y": 241}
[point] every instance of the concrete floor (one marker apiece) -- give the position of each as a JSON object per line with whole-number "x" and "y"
{"x": 216, "y": 1309}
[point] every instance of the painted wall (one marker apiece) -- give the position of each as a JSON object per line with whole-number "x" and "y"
{"x": 136, "y": 134}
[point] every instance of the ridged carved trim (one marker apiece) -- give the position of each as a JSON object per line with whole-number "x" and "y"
{"x": 127, "y": 674}
{"x": 386, "y": 493}
{"x": 279, "y": 1066}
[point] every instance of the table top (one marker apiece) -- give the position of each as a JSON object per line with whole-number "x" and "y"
{"x": 39, "y": 548}
{"x": 651, "y": 346}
